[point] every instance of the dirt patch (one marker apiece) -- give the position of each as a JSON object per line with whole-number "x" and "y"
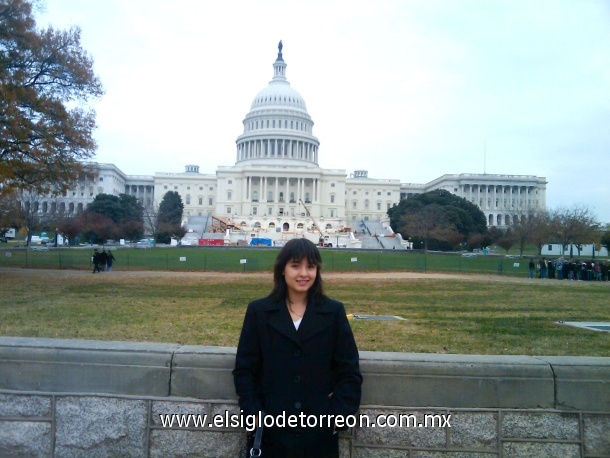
{"x": 327, "y": 275}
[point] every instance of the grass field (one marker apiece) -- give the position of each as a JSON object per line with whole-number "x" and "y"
{"x": 472, "y": 314}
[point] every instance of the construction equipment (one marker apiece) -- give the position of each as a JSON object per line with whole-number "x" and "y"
{"x": 323, "y": 237}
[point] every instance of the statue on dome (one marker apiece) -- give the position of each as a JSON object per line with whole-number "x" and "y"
{"x": 280, "y": 46}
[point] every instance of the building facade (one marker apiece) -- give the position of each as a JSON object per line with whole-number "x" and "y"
{"x": 277, "y": 184}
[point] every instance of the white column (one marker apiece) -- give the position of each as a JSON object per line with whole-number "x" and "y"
{"x": 299, "y": 189}
{"x": 287, "y": 193}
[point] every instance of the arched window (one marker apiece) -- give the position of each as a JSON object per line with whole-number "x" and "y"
{"x": 300, "y": 226}
{"x": 285, "y": 226}
{"x": 272, "y": 225}
{"x": 257, "y": 225}
{"x": 329, "y": 226}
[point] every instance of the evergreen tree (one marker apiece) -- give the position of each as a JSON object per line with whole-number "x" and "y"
{"x": 435, "y": 218}
{"x": 169, "y": 218}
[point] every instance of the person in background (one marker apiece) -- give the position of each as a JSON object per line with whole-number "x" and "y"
{"x": 103, "y": 260}
{"x": 559, "y": 267}
{"x": 532, "y": 267}
{"x": 109, "y": 260}
{"x": 96, "y": 261}
{"x": 543, "y": 267}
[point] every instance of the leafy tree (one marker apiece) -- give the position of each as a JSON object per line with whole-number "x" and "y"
{"x": 436, "y": 218}
{"x": 70, "y": 228}
{"x": 169, "y": 218}
{"x": 507, "y": 241}
{"x": 495, "y": 234}
{"x": 132, "y": 229}
{"x": 45, "y": 78}
{"x": 171, "y": 208}
{"x": 119, "y": 208}
{"x": 123, "y": 211}
{"x": 97, "y": 228}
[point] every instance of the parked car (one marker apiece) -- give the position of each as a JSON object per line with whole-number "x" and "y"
{"x": 3, "y": 239}
{"x": 143, "y": 243}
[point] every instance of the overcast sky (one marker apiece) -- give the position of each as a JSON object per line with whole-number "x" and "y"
{"x": 406, "y": 89}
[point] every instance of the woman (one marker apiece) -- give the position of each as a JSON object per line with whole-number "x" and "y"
{"x": 297, "y": 357}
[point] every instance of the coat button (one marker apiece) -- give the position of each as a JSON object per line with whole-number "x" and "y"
{"x": 297, "y": 378}
{"x": 297, "y": 405}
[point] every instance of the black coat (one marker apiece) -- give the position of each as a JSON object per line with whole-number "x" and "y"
{"x": 284, "y": 371}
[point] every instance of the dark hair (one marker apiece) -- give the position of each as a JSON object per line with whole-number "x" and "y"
{"x": 297, "y": 250}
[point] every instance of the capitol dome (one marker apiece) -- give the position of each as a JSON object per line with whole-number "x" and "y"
{"x": 278, "y": 94}
{"x": 278, "y": 129}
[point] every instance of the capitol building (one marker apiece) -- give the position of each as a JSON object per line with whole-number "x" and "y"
{"x": 276, "y": 185}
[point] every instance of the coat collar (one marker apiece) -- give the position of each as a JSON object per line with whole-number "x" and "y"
{"x": 317, "y": 317}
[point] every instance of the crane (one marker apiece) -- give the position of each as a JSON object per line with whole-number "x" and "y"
{"x": 323, "y": 241}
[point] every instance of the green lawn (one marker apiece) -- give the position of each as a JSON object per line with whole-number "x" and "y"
{"x": 472, "y": 315}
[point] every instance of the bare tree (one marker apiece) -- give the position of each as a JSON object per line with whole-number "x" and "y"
{"x": 529, "y": 226}
{"x": 30, "y": 214}
{"x": 428, "y": 223}
{"x": 577, "y": 225}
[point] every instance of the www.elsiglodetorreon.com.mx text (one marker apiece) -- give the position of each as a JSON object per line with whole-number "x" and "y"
{"x": 249, "y": 422}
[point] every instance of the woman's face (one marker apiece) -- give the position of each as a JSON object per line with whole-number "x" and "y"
{"x": 300, "y": 276}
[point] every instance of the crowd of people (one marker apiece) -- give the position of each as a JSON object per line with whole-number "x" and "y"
{"x": 102, "y": 260}
{"x": 569, "y": 269}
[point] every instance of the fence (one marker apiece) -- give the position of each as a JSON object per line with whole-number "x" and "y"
{"x": 248, "y": 259}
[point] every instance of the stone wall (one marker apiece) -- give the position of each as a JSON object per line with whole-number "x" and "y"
{"x": 70, "y": 398}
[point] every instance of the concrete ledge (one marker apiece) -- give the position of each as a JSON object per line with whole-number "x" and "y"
{"x": 390, "y": 379}
{"x": 80, "y": 366}
{"x": 203, "y": 372}
{"x": 433, "y": 380}
{"x": 581, "y": 383}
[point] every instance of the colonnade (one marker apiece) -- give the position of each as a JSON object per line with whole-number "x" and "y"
{"x": 277, "y": 148}
{"x": 287, "y": 190}
{"x": 494, "y": 197}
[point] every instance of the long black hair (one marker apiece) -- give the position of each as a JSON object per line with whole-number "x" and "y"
{"x": 297, "y": 250}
